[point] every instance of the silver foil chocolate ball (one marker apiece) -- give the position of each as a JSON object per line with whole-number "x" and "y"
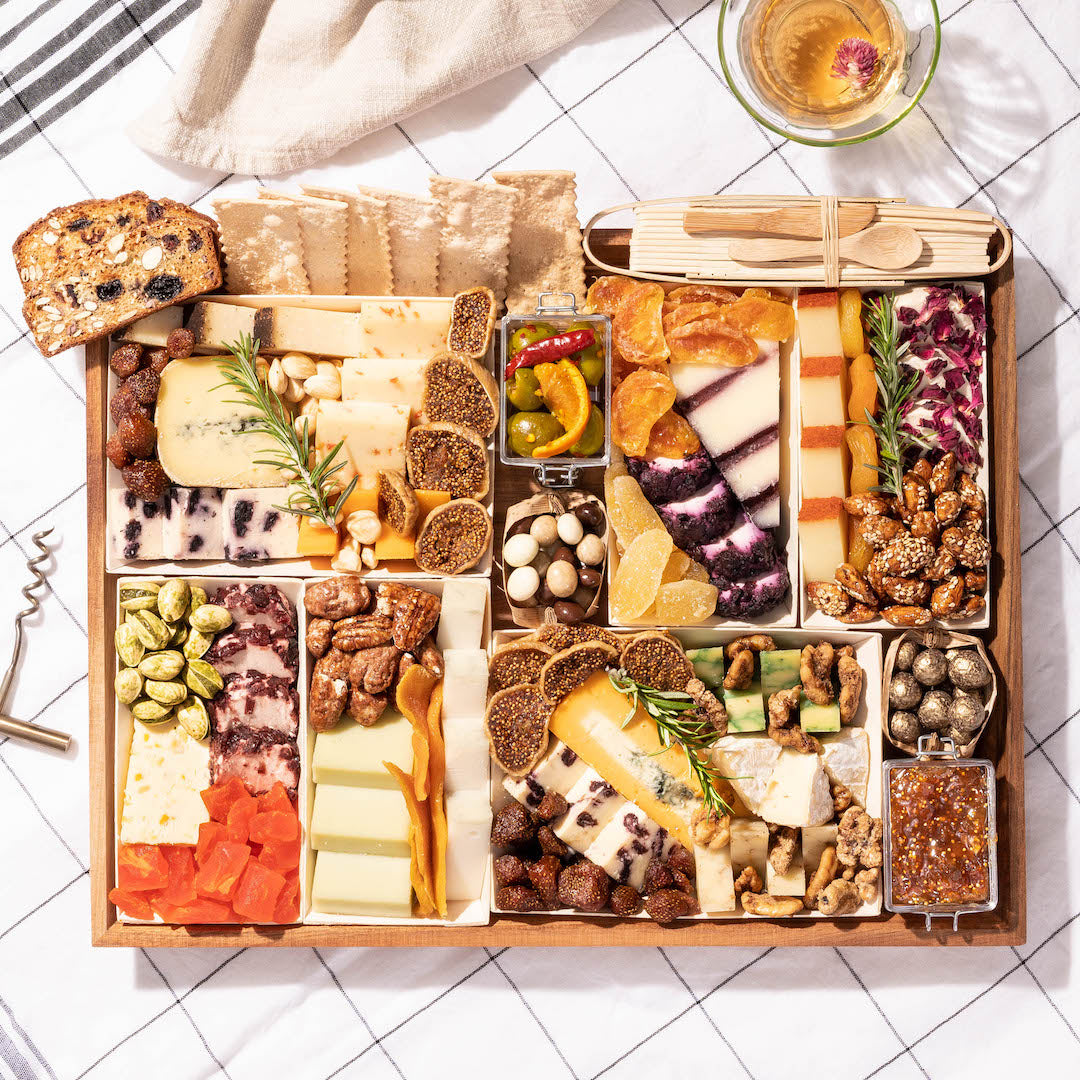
{"x": 904, "y": 726}
{"x": 934, "y": 711}
{"x": 904, "y": 690}
{"x": 930, "y": 667}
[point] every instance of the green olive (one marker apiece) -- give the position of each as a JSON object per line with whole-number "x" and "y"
{"x": 590, "y": 360}
{"x": 528, "y": 430}
{"x": 523, "y": 390}
{"x": 591, "y": 442}
{"x": 528, "y": 334}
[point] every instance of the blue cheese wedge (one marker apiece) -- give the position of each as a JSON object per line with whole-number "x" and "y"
{"x": 167, "y": 771}
{"x": 135, "y": 526}
{"x": 255, "y": 529}
{"x": 192, "y": 529}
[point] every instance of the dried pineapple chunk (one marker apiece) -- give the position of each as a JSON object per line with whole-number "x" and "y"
{"x": 685, "y": 603}
{"x": 695, "y": 572}
{"x": 634, "y": 586}
{"x": 631, "y": 513}
{"x": 676, "y": 567}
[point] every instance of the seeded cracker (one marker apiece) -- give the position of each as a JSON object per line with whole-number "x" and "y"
{"x": 545, "y": 241}
{"x": 567, "y": 670}
{"x": 367, "y": 264}
{"x": 414, "y": 225}
{"x": 516, "y": 723}
{"x": 453, "y": 538}
{"x": 323, "y": 230}
{"x": 517, "y": 663}
{"x": 264, "y": 252}
{"x": 653, "y": 659}
{"x": 475, "y": 242}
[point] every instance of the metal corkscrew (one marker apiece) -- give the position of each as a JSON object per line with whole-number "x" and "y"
{"x": 19, "y": 729}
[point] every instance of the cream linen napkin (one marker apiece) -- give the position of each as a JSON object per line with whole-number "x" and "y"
{"x": 273, "y": 85}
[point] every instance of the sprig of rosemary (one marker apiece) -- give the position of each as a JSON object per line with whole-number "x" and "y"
{"x": 677, "y": 724}
{"x": 895, "y": 388}
{"x": 312, "y": 490}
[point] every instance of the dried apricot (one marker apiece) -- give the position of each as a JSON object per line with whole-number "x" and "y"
{"x": 852, "y": 338}
{"x": 761, "y": 317}
{"x": 606, "y": 294}
{"x": 864, "y": 392}
{"x": 634, "y": 585}
{"x": 681, "y": 314}
{"x": 685, "y": 603}
{"x": 636, "y": 404}
{"x": 711, "y": 341}
{"x": 864, "y": 458}
{"x": 697, "y": 294}
{"x": 672, "y": 437}
{"x": 631, "y": 513}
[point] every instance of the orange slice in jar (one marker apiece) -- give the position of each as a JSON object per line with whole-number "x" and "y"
{"x": 566, "y": 394}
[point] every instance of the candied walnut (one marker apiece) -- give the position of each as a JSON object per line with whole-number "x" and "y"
{"x": 544, "y": 878}
{"x": 518, "y": 898}
{"x": 940, "y": 566}
{"x": 414, "y": 612}
{"x": 815, "y": 672}
{"x": 366, "y": 708}
{"x": 971, "y": 494}
{"x": 971, "y": 549}
{"x": 850, "y": 675}
{"x": 512, "y": 826}
{"x": 848, "y": 873}
{"x": 374, "y": 669}
{"x": 946, "y": 598}
{"x": 337, "y": 598}
{"x": 841, "y": 798}
{"x": 866, "y": 881}
{"x": 904, "y": 590}
{"x": 317, "y": 638}
{"x": 657, "y": 876}
{"x": 326, "y": 700}
{"x": 748, "y": 881}
{"x": 667, "y": 905}
{"x": 584, "y": 886}
{"x": 758, "y": 643}
{"x": 551, "y": 806}
{"x": 828, "y": 597}
{"x": 784, "y": 722}
{"x": 859, "y": 613}
{"x": 771, "y": 907}
{"x": 783, "y": 842}
{"x": 680, "y": 860}
{"x": 839, "y": 898}
{"x": 549, "y": 843}
{"x": 509, "y": 870}
{"x": 947, "y": 507}
{"x": 878, "y": 530}
{"x": 906, "y": 615}
{"x": 361, "y": 632}
{"x": 708, "y": 706}
{"x": 851, "y": 581}
{"x": 858, "y": 841}
{"x": 625, "y": 901}
{"x": 827, "y": 869}
{"x": 740, "y": 671}
{"x": 709, "y": 829}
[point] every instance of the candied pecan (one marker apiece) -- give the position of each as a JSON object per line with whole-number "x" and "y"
{"x": 946, "y": 598}
{"x": 851, "y": 581}
{"x": 326, "y": 700}
{"x": 361, "y": 632}
{"x": 858, "y": 839}
{"x": 906, "y": 590}
{"x": 850, "y": 675}
{"x": 512, "y": 826}
{"x": 906, "y": 615}
{"x": 859, "y": 613}
{"x": 317, "y": 638}
{"x": 334, "y": 663}
{"x": 769, "y": 906}
{"x": 657, "y": 876}
{"x": 740, "y": 671}
{"x": 783, "y": 842}
{"x": 337, "y": 598}
{"x": 373, "y": 669}
{"x": 758, "y": 643}
{"x": 709, "y": 707}
{"x": 625, "y": 901}
{"x": 518, "y": 898}
{"x": 971, "y": 549}
{"x": 925, "y": 526}
{"x": 509, "y": 870}
{"x": 879, "y": 530}
{"x": 544, "y": 877}
{"x": 839, "y": 898}
{"x": 667, "y": 905}
{"x": 680, "y": 859}
{"x": 827, "y": 869}
{"x": 584, "y": 886}
{"x": 815, "y": 672}
{"x": 971, "y": 494}
{"x": 551, "y": 806}
{"x": 365, "y": 708}
{"x": 748, "y": 881}
{"x": 828, "y": 597}
{"x": 414, "y": 612}
{"x": 867, "y": 505}
{"x": 549, "y": 843}
{"x": 431, "y": 657}
{"x": 940, "y": 566}
{"x": 947, "y": 507}
{"x": 943, "y": 475}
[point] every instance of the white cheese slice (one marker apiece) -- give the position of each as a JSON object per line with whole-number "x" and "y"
{"x": 815, "y": 839}
{"x": 204, "y": 438}
{"x": 593, "y": 803}
{"x": 364, "y": 821}
{"x": 461, "y": 623}
{"x": 395, "y": 382}
{"x": 798, "y": 791}
{"x": 749, "y": 845}
{"x": 790, "y": 883}
{"x": 373, "y": 433}
{"x": 392, "y": 327}
{"x": 468, "y": 824}
{"x": 348, "y": 884}
{"x": 558, "y": 770}
{"x": 154, "y": 329}
{"x": 254, "y": 529}
{"x": 467, "y": 756}
{"x": 353, "y": 754}
{"x": 626, "y": 845}
{"x": 714, "y": 879}
{"x": 846, "y": 759}
{"x": 166, "y": 772}
{"x": 749, "y": 761}
{"x": 465, "y": 677}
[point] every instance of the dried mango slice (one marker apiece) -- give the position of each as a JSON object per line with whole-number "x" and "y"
{"x": 413, "y": 697}
{"x": 685, "y": 603}
{"x": 606, "y": 295}
{"x": 864, "y": 391}
{"x": 633, "y": 588}
{"x": 672, "y": 437}
{"x": 436, "y": 800}
{"x": 636, "y": 404}
{"x": 761, "y": 317}
{"x": 676, "y": 568}
{"x": 711, "y": 341}
{"x": 852, "y": 339}
{"x": 681, "y": 314}
{"x": 696, "y": 294}
{"x": 864, "y": 458}
{"x": 419, "y": 840}
{"x": 637, "y": 329}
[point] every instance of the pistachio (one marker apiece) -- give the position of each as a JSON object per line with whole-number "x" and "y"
{"x": 151, "y": 631}
{"x": 193, "y": 718}
{"x": 140, "y": 597}
{"x": 166, "y": 692}
{"x": 210, "y": 619}
{"x": 173, "y": 599}
{"x": 128, "y": 646}
{"x": 196, "y": 645}
{"x": 128, "y": 685}
{"x": 198, "y": 598}
{"x": 180, "y": 634}
{"x": 162, "y": 665}
{"x": 151, "y": 712}
{"x": 203, "y": 678}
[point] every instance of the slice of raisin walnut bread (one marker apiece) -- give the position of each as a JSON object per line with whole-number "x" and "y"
{"x": 93, "y": 267}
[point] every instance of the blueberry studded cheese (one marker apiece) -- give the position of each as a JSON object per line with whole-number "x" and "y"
{"x": 135, "y": 527}
{"x": 193, "y": 527}
{"x": 254, "y": 530}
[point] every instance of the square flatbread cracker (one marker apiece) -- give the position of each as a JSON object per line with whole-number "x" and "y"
{"x": 323, "y": 230}
{"x": 367, "y": 264}
{"x": 545, "y": 241}
{"x": 475, "y": 243}
{"x": 414, "y": 225}
{"x": 263, "y": 250}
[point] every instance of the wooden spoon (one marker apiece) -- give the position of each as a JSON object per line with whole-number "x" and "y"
{"x": 884, "y": 247}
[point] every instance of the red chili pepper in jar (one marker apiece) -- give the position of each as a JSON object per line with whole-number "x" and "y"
{"x": 551, "y": 349}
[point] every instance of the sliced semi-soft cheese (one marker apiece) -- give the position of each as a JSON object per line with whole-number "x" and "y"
{"x": 461, "y": 621}
{"x": 167, "y": 771}
{"x": 349, "y": 884}
{"x": 749, "y": 845}
{"x": 395, "y": 382}
{"x": 154, "y": 329}
{"x": 373, "y": 433}
{"x": 392, "y": 327}
{"x": 824, "y": 462}
{"x": 312, "y": 330}
{"x": 815, "y": 839}
{"x": 821, "y": 390}
{"x": 351, "y": 754}
{"x": 366, "y": 821}
{"x": 790, "y": 883}
{"x": 798, "y": 791}
{"x": 749, "y": 761}
{"x": 204, "y": 438}
{"x": 823, "y": 527}
{"x": 135, "y": 526}
{"x": 714, "y": 879}
{"x": 593, "y": 802}
{"x": 558, "y": 770}
{"x": 625, "y": 846}
{"x": 818, "y": 316}
{"x": 192, "y": 528}
{"x": 629, "y": 756}
{"x": 465, "y": 677}
{"x": 846, "y": 758}
{"x": 216, "y": 326}
{"x": 468, "y": 758}
{"x": 468, "y": 823}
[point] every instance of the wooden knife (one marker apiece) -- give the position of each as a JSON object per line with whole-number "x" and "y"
{"x": 787, "y": 221}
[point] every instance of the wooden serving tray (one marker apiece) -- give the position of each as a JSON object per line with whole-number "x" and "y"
{"x": 1002, "y": 742}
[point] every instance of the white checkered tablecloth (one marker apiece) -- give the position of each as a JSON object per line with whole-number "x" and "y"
{"x": 639, "y": 109}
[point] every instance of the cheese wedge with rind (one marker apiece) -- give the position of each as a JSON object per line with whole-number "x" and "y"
{"x": 846, "y": 759}
{"x": 798, "y": 791}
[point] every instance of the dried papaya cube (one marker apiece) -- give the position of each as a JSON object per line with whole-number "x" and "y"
{"x": 633, "y": 588}
{"x": 141, "y": 867}
{"x": 277, "y": 798}
{"x": 133, "y": 904}
{"x": 217, "y": 877}
{"x": 257, "y": 892}
{"x": 220, "y": 797}
{"x": 631, "y": 513}
{"x": 210, "y": 832}
{"x": 281, "y": 855}
{"x": 863, "y": 397}
{"x": 275, "y": 825}
{"x": 685, "y": 603}
{"x": 287, "y": 908}
{"x": 636, "y": 404}
{"x": 711, "y": 341}
{"x": 181, "y": 886}
{"x": 865, "y": 460}
{"x": 697, "y": 294}
{"x": 761, "y": 317}
{"x": 637, "y": 329}
{"x": 606, "y": 294}
{"x": 672, "y": 437}
{"x": 852, "y": 339}
{"x": 677, "y": 565}
{"x": 241, "y": 814}
{"x": 681, "y": 314}
{"x": 201, "y": 910}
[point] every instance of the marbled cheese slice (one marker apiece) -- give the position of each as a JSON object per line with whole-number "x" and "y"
{"x": 166, "y": 772}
